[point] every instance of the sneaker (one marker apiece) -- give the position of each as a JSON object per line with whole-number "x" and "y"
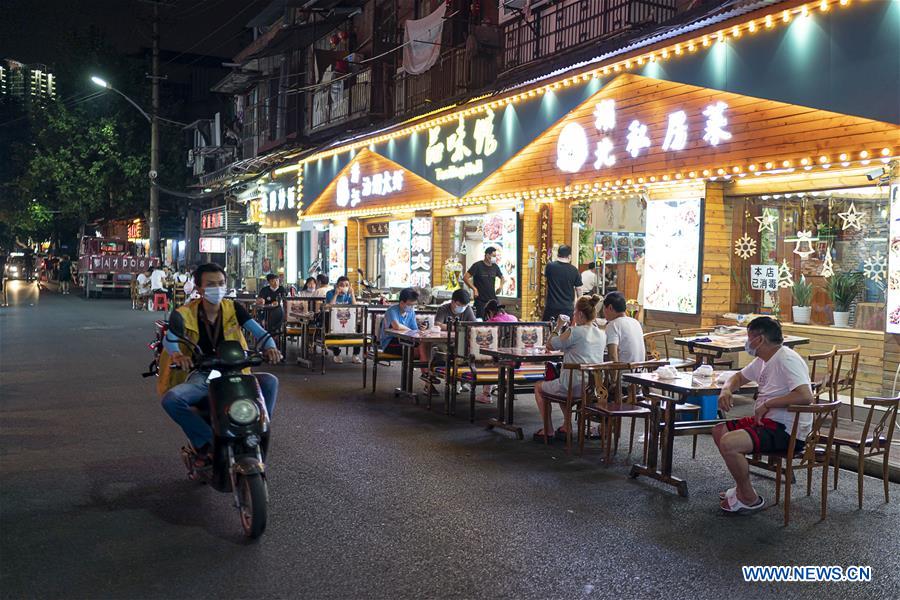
{"x": 357, "y": 359}
{"x": 338, "y": 359}
{"x": 483, "y": 398}
{"x": 464, "y": 387}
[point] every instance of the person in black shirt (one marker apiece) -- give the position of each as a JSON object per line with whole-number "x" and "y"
{"x": 563, "y": 285}
{"x": 482, "y": 278}
{"x": 272, "y": 295}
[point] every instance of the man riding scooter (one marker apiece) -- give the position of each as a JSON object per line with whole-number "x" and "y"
{"x": 206, "y": 322}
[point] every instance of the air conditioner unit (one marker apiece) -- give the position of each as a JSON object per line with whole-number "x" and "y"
{"x": 515, "y": 9}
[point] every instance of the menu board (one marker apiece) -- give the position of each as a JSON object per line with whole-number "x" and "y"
{"x": 397, "y": 254}
{"x": 893, "y": 287}
{"x": 672, "y": 264}
{"x": 500, "y": 230}
{"x": 619, "y": 246}
{"x": 337, "y": 252}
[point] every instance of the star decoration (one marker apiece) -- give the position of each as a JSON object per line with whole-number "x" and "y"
{"x": 875, "y": 267}
{"x": 785, "y": 280}
{"x": 766, "y": 221}
{"x": 852, "y": 218}
{"x": 745, "y": 247}
{"x": 804, "y": 236}
{"x": 828, "y": 265}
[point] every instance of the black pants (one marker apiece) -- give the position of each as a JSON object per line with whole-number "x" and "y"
{"x": 553, "y": 312}
{"x": 337, "y": 351}
{"x": 480, "y": 304}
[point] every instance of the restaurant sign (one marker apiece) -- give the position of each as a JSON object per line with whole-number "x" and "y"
{"x": 214, "y": 219}
{"x": 764, "y": 277}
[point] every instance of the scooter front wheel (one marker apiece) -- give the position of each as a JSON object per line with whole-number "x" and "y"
{"x": 254, "y": 504}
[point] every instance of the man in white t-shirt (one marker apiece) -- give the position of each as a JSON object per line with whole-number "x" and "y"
{"x": 624, "y": 335}
{"x": 158, "y": 282}
{"x": 782, "y": 378}
{"x": 589, "y": 279}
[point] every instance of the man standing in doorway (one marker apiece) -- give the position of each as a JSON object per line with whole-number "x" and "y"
{"x": 563, "y": 285}
{"x": 482, "y": 279}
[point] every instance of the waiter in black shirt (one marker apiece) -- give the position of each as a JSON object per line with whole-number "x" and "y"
{"x": 272, "y": 296}
{"x": 563, "y": 285}
{"x": 482, "y": 278}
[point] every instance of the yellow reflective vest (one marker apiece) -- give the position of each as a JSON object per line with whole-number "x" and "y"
{"x": 231, "y": 330}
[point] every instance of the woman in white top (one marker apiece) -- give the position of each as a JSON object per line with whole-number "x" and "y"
{"x": 583, "y": 344}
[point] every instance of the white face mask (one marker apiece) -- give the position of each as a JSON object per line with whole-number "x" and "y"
{"x": 748, "y": 349}
{"x": 214, "y": 295}
{"x": 495, "y": 260}
{"x": 459, "y": 309}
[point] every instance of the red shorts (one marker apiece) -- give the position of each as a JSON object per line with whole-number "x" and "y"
{"x": 771, "y": 436}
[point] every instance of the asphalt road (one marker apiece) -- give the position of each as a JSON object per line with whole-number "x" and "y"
{"x": 371, "y": 497}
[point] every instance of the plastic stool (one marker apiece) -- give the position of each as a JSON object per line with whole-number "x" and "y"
{"x": 160, "y": 302}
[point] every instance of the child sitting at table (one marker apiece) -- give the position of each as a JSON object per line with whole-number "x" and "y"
{"x": 582, "y": 344}
{"x": 494, "y": 312}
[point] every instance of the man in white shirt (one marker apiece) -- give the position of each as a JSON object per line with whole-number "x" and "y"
{"x": 782, "y": 378}
{"x": 322, "y": 286}
{"x": 624, "y": 335}
{"x": 589, "y": 279}
{"x": 158, "y": 282}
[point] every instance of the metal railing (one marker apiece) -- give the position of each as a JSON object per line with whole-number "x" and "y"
{"x": 573, "y": 24}
{"x": 454, "y": 73}
{"x": 340, "y": 102}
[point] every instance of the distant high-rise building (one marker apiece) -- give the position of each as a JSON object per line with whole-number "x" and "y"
{"x": 33, "y": 84}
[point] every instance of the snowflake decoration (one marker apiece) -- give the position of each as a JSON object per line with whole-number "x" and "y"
{"x": 804, "y": 236}
{"x": 875, "y": 267}
{"x": 766, "y": 221}
{"x": 828, "y": 265}
{"x": 745, "y": 247}
{"x": 852, "y": 218}
{"x": 785, "y": 280}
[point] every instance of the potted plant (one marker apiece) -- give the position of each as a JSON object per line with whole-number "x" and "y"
{"x": 842, "y": 288}
{"x": 802, "y": 307}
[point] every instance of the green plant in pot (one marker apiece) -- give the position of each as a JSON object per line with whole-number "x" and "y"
{"x": 802, "y": 308}
{"x": 843, "y": 288}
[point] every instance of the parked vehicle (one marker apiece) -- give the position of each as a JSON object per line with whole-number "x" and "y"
{"x": 108, "y": 265}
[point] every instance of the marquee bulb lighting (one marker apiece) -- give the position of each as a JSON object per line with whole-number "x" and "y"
{"x": 863, "y": 154}
{"x": 752, "y": 27}
{"x": 736, "y": 31}
{"x": 769, "y": 22}
{"x": 786, "y": 16}
{"x": 823, "y": 5}
{"x": 706, "y": 41}
{"x": 769, "y": 165}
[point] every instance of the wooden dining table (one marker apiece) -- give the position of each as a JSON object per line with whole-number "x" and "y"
{"x": 409, "y": 340}
{"x": 664, "y": 427}
{"x": 508, "y": 360}
{"x": 715, "y": 345}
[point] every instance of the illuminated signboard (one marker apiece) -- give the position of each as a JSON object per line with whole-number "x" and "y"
{"x": 574, "y": 145}
{"x": 456, "y": 155}
{"x": 213, "y": 218}
{"x": 283, "y": 198}
{"x": 213, "y": 245}
{"x": 352, "y": 188}
{"x": 135, "y": 230}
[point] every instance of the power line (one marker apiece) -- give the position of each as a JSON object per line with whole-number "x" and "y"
{"x": 212, "y": 33}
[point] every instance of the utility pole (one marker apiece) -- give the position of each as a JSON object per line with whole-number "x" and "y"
{"x": 154, "y": 138}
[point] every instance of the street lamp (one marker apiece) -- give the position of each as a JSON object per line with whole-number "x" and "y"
{"x": 153, "y": 217}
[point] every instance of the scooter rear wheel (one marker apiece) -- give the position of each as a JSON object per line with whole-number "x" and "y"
{"x": 254, "y": 505}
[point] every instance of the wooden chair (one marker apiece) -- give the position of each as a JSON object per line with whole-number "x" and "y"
{"x": 822, "y": 374}
{"x": 816, "y": 453}
{"x": 845, "y": 369}
{"x": 570, "y": 403}
{"x": 373, "y": 352}
{"x": 698, "y": 353}
{"x": 873, "y": 441}
{"x": 178, "y": 297}
{"x": 651, "y": 339}
{"x": 603, "y": 402}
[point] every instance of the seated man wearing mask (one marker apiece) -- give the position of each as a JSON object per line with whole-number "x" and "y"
{"x": 783, "y": 380}
{"x": 206, "y": 322}
{"x": 457, "y": 308}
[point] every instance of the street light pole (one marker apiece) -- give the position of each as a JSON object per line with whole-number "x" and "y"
{"x": 154, "y": 139}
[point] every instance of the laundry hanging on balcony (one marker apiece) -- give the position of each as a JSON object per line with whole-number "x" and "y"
{"x": 422, "y": 39}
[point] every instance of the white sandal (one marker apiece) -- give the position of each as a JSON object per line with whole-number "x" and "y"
{"x": 723, "y": 495}
{"x": 738, "y": 507}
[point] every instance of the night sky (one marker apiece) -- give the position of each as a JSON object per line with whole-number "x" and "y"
{"x": 33, "y": 31}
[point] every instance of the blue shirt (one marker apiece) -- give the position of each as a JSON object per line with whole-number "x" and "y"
{"x": 390, "y": 316}
{"x": 341, "y": 299}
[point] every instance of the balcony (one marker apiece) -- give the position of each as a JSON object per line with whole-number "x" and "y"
{"x": 454, "y": 74}
{"x": 350, "y": 100}
{"x": 574, "y": 24}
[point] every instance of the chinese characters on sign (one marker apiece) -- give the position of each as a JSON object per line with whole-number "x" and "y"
{"x": 213, "y": 218}
{"x": 764, "y": 277}
{"x": 465, "y": 157}
{"x": 420, "y": 253}
{"x": 351, "y": 190}
{"x": 573, "y": 145}
{"x": 135, "y": 230}
{"x": 280, "y": 199}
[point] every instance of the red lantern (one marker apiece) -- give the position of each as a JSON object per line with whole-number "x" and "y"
{"x": 335, "y": 40}
{"x": 344, "y": 35}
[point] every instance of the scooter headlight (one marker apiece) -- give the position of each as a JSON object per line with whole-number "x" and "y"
{"x": 243, "y": 412}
